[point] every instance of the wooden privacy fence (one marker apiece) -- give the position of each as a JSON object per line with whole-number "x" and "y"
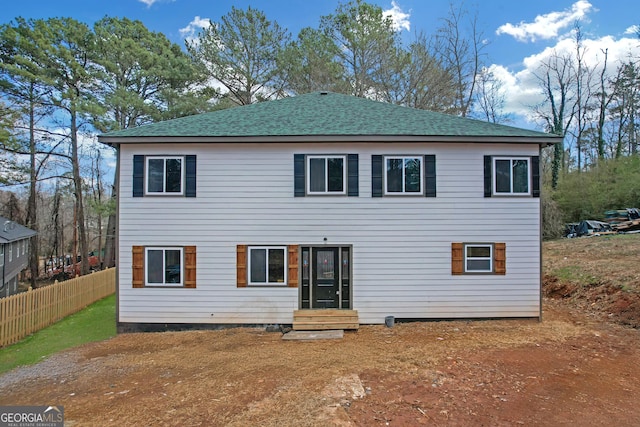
{"x": 28, "y": 312}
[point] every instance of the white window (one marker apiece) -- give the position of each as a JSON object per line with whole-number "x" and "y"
{"x": 326, "y": 174}
{"x": 18, "y": 249}
{"x": 10, "y": 251}
{"x": 403, "y": 175}
{"x": 163, "y": 267}
{"x": 24, "y": 247}
{"x": 511, "y": 176}
{"x": 267, "y": 265}
{"x": 1, "y": 255}
{"x": 478, "y": 258}
{"x": 164, "y": 175}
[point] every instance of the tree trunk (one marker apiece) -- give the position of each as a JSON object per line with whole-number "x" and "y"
{"x": 31, "y": 204}
{"x": 77, "y": 181}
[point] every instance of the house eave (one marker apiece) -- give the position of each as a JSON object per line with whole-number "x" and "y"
{"x": 542, "y": 141}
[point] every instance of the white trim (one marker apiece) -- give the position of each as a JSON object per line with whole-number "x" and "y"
{"x": 10, "y": 252}
{"x": 163, "y": 249}
{"x": 1, "y": 255}
{"x": 403, "y": 192}
{"x": 489, "y": 258}
{"x": 495, "y": 180}
{"x": 326, "y": 174}
{"x": 164, "y": 175}
{"x": 267, "y": 249}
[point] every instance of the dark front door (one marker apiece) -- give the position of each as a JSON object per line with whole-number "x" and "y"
{"x": 326, "y": 275}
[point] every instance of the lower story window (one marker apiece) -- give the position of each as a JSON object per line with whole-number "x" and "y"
{"x": 164, "y": 266}
{"x": 268, "y": 265}
{"x": 478, "y": 258}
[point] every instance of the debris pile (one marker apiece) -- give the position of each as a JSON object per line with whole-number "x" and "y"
{"x": 615, "y": 221}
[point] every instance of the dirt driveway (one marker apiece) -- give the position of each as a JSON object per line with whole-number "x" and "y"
{"x": 567, "y": 370}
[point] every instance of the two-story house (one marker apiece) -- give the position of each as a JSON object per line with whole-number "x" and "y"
{"x": 14, "y": 254}
{"x": 247, "y": 215}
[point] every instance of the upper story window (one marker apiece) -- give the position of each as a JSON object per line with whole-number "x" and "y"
{"x": 403, "y": 175}
{"x": 1, "y": 255}
{"x": 164, "y": 175}
{"x": 327, "y": 174}
{"x": 10, "y": 251}
{"x": 511, "y": 176}
{"x": 18, "y": 249}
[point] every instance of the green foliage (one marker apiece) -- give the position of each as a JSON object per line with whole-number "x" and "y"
{"x": 367, "y": 43}
{"x": 97, "y": 322}
{"x": 612, "y": 184}
{"x": 241, "y": 52}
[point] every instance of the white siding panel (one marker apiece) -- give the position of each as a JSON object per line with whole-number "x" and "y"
{"x": 401, "y": 245}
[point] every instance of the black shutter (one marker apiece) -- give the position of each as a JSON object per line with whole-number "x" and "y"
{"x": 487, "y": 176}
{"x": 190, "y": 173}
{"x": 535, "y": 176}
{"x": 352, "y": 175}
{"x": 298, "y": 175}
{"x": 138, "y": 175}
{"x": 430, "y": 175}
{"x": 376, "y": 175}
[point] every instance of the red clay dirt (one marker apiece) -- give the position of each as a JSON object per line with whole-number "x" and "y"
{"x": 567, "y": 370}
{"x": 577, "y": 367}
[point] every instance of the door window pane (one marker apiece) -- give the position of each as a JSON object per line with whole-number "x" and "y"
{"x": 325, "y": 266}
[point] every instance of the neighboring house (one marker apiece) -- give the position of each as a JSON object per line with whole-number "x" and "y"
{"x": 14, "y": 254}
{"x": 245, "y": 215}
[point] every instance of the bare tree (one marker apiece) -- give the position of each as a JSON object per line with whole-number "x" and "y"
{"x": 557, "y": 82}
{"x": 458, "y": 45}
{"x": 490, "y": 97}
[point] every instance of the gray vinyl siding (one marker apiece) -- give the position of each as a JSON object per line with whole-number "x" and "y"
{"x": 19, "y": 261}
{"x": 401, "y": 244}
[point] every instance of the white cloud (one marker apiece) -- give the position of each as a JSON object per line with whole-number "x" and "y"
{"x": 398, "y": 16}
{"x": 522, "y": 88}
{"x": 190, "y": 32}
{"x": 150, "y": 3}
{"x": 549, "y": 25}
{"x": 634, "y": 29}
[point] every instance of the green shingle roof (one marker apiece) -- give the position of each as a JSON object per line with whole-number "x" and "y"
{"x": 321, "y": 114}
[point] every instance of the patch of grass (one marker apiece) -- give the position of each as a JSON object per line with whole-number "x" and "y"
{"x": 97, "y": 322}
{"x": 575, "y": 274}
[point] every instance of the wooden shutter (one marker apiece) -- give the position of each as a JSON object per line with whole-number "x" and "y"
{"x": 500, "y": 258}
{"x": 298, "y": 175}
{"x": 190, "y": 175}
{"x": 535, "y": 176}
{"x": 241, "y": 266}
{"x": 352, "y": 175}
{"x": 457, "y": 258}
{"x": 376, "y": 175}
{"x": 292, "y": 275}
{"x": 137, "y": 262}
{"x": 488, "y": 179}
{"x": 190, "y": 267}
{"x": 430, "y": 175}
{"x": 138, "y": 176}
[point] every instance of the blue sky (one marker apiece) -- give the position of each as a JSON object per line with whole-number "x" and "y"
{"x": 520, "y": 34}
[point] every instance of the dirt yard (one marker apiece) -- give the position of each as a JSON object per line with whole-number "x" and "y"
{"x": 577, "y": 367}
